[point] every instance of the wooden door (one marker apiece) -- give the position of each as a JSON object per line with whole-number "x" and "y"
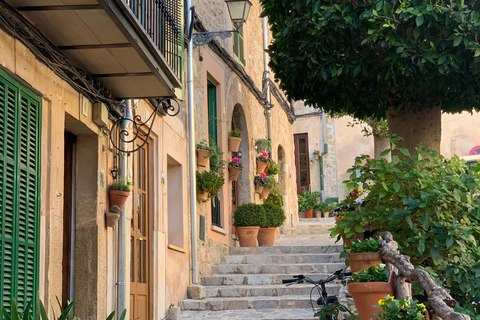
{"x": 302, "y": 162}
{"x": 139, "y": 239}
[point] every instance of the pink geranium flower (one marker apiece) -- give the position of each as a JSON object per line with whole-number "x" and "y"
{"x": 265, "y": 155}
{"x": 263, "y": 175}
{"x": 236, "y": 160}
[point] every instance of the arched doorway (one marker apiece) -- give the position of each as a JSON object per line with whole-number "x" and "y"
{"x": 241, "y": 187}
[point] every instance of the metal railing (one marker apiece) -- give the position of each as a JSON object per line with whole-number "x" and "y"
{"x": 162, "y": 21}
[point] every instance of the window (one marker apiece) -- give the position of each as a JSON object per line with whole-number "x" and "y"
{"x": 302, "y": 162}
{"x": 238, "y": 46}
{"x": 20, "y": 121}
{"x": 212, "y": 134}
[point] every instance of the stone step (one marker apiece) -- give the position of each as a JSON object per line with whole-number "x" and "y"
{"x": 293, "y": 269}
{"x": 317, "y": 221}
{"x": 301, "y": 229}
{"x": 254, "y": 279}
{"x": 250, "y": 314}
{"x": 238, "y": 303}
{"x": 337, "y": 248}
{"x": 283, "y": 258}
{"x": 265, "y": 290}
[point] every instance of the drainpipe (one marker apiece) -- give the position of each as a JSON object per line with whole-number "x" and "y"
{"x": 191, "y": 138}
{"x": 268, "y": 108}
{"x": 122, "y": 223}
{"x": 324, "y": 151}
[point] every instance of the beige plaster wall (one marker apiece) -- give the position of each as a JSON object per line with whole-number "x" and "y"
{"x": 459, "y": 133}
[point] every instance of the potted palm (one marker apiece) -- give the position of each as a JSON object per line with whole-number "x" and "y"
{"x": 209, "y": 184}
{"x": 234, "y": 140}
{"x": 260, "y": 182}
{"x": 203, "y": 153}
{"x": 274, "y": 219}
{"x": 262, "y": 161}
{"x": 248, "y": 217}
{"x": 363, "y": 253}
{"x": 307, "y": 202}
{"x": 119, "y": 192}
{"x": 367, "y": 287}
{"x": 234, "y": 168}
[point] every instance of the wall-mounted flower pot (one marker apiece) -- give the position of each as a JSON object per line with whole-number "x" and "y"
{"x": 234, "y": 144}
{"x": 247, "y": 236}
{"x": 367, "y": 294}
{"x": 202, "y": 196}
{"x": 264, "y": 194}
{"x": 361, "y": 260}
{"x": 309, "y": 213}
{"x": 202, "y": 157}
{"x": 258, "y": 188}
{"x": 266, "y": 236}
{"x": 234, "y": 172}
{"x": 118, "y": 198}
{"x": 261, "y": 166}
{"x": 111, "y": 219}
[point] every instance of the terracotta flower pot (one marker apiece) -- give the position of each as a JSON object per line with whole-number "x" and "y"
{"x": 267, "y": 167}
{"x": 111, "y": 219}
{"x": 234, "y": 144}
{"x": 202, "y": 196}
{"x": 201, "y": 160}
{"x": 338, "y": 218}
{"x": 266, "y": 236}
{"x": 118, "y": 198}
{"x": 361, "y": 260}
{"x": 261, "y": 166}
{"x": 258, "y": 188}
{"x": 247, "y": 236}
{"x": 264, "y": 194}
{"x": 357, "y": 236}
{"x": 309, "y": 213}
{"x": 234, "y": 172}
{"x": 367, "y": 294}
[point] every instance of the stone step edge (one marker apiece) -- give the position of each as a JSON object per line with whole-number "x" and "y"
{"x": 253, "y": 298}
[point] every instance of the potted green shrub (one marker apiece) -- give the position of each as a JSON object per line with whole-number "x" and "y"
{"x": 119, "y": 192}
{"x": 367, "y": 287}
{"x": 274, "y": 219}
{"x": 307, "y": 202}
{"x": 273, "y": 168}
{"x": 260, "y": 182}
{"x": 363, "y": 253}
{"x": 262, "y": 161}
{"x": 247, "y": 221}
{"x": 263, "y": 145}
{"x": 234, "y": 168}
{"x": 234, "y": 140}
{"x": 209, "y": 184}
{"x": 405, "y": 309}
{"x": 203, "y": 153}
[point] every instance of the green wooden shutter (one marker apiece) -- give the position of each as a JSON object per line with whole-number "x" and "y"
{"x": 212, "y": 110}
{"x": 20, "y": 118}
{"x": 238, "y": 49}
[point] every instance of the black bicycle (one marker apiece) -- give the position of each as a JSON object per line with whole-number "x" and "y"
{"x": 324, "y": 299}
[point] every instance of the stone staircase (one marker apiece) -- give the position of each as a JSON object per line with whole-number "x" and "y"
{"x": 248, "y": 284}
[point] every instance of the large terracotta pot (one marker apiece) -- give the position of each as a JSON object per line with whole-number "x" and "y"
{"x": 201, "y": 160}
{"x": 234, "y": 172}
{"x": 118, "y": 198}
{"x": 264, "y": 194}
{"x": 309, "y": 213}
{"x": 367, "y": 294}
{"x": 234, "y": 144}
{"x": 258, "y": 188}
{"x": 202, "y": 196}
{"x": 266, "y": 236}
{"x": 247, "y": 236}
{"x": 361, "y": 260}
{"x": 261, "y": 167}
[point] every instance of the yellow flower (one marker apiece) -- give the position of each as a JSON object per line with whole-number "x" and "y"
{"x": 360, "y": 189}
{"x": 388, "y": 209}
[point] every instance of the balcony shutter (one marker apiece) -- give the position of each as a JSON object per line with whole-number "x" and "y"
{"x": 19, "y": 192}
{"x": 238, "y": 50}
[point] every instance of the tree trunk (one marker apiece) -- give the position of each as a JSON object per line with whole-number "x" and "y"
{"x": 421, "y": 127}
{"x": 380, "y": 144}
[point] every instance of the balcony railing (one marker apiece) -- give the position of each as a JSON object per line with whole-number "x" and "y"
{"x": 162, "y": 21}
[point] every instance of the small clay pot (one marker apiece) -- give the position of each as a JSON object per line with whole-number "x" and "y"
{"x": 202, "y": 196}
{"x": 234, "y": 172}
{"x": 261, "y": 167}
{"x": 258, "y": 188}
{"x": 361, "y": 260}
{"x": 118, "y": 198}
{"x": 201, "y": 160}
{"x": 234, "y": 144}
{"x": 309, "y": 213}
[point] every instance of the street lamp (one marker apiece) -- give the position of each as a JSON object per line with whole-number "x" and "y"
{"x": 238, "y": 11}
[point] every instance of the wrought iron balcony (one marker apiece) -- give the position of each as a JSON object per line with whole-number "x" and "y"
{"x": 135, "y": 47}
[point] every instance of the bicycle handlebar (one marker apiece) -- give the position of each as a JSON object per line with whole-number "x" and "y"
{"x": 289, "y": 280}
{"x": 301, "y": 278}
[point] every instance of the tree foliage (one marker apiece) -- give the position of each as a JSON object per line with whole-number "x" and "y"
{"x": 362, "y": 57}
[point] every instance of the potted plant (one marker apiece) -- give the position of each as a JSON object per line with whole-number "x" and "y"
{"x": 363, "y": 253}
{"x": 203, "y": 153}
{"x": 270, "y": 185}
{"x": 119, "y": 192}
{"x": 273, "y": 168}
{"x": 405, "y": 309}
{"x": 274, "y": 219}
{"x": 260, "y": 182}
{"x": 248, "y": 217}
{"x": 234, "y": 139}
{"x": 307, "y": 201}
{"x": 367, "y": 287}
{"x": 262, "y": 161}
{"x": 209, "y": 184}
{"x": 263, "y": 145}
{"x": 234, "y": 168}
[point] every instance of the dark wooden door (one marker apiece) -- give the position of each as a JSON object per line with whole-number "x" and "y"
{"x": 302, "y": 162}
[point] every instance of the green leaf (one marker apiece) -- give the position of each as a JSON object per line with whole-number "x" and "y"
{"x": 442, "y": 59}
{"x": 457, "y": 41}
{"x": 421, "y": 246}
{"x": 449, "y": 242}
{"x": 419, "y": 20}
{"x": 359, "y": 229}
{"x": 396, "y": 186}
{"x": 404, "y": 151}
{"x": 426, "y": 220}
{"x": 385, "y": 152}
{"x": 435, "y": 252}
{"x": 384, "y": 185}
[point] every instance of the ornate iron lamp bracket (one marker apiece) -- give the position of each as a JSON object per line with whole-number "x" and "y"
{"x": 202, "y": 38}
